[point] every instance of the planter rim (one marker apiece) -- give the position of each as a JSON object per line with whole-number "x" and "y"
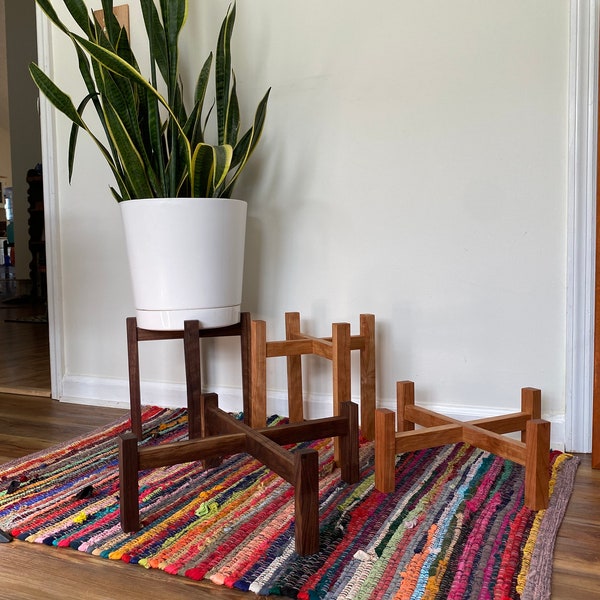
{"x": 182, "y": 199}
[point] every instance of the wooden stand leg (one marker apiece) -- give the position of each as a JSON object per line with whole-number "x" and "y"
{"x": 531, "y": 403}
{"x": 196, "y": 425}
{"x": 385, "y": 450}
{"x": 128, "y": 482}
{"x": 341, "y": 374}
{"x": 307, "y": 502}
{"x": 207, "y": 403}
{"x": 537, "y": 465}
{"x": 135, "y": 394}
{"x": 367, "y": 376}
{"x": 405, "y": 396}
{"x": 258, "y": 378}
{"x": 193, "y": 376}
{"x": 341, "y": 365}
{"x": 349, "y": 444}
{"x": 245, "y": 319}
{"x": 294, "y": 371}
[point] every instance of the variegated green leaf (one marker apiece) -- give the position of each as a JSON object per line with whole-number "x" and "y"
{"x": 202, "y": 171}
{"x": 131, "y": 160}
{"x": 248, "y": 143}
{"x": 61, "y": 100}
{"x": 223, "y": 74}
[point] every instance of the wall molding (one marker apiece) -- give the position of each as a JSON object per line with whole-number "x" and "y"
{"x": 115, "y": 393}
{"x": 51, "y": 212}
{"x": 581, "y": 223}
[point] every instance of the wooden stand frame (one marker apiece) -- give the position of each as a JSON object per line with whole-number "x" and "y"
{"x": 214, "y": 434}
{"x": 135, "y": 335}
{"x": 336, "y": 348}
{"x": 533, "y": 451}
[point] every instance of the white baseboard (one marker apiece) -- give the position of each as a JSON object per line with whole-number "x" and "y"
{"x": 115, "y": 393}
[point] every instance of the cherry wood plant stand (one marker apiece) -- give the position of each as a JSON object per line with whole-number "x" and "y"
{"x": 336, "y": 348}
{"x": 214, "y": 434}
{"x": 533, "y": 451}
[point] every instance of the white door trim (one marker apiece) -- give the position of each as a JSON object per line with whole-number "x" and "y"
{"x": 51, "y": 213}
{"x": 581, "y": 225}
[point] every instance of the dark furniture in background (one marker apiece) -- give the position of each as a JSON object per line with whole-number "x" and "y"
{"x": 37, "y": 243}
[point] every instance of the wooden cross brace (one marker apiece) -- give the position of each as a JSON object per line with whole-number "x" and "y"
{"x": 533, "y": 451}
{"x": 217, "y": 434}
{"x": 336, "y": 348}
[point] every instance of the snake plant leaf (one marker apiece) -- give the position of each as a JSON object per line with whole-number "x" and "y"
{"x": 222, "y": 157}
{"x": 147, "y": 134}
{"x": 233, "y": 114}
{"x": 86, "y": 71}
{"x": 60, "y": 100}
{"x": 79, "y": 12}
{"x": 247, "y": 144}
{"x": 193, "y": 127}
{"x": 131, "y": 160}
{"x": 155, "y": 141}
{"x": 108, "y": 157}
{"x": 115, "y": 63}
{"x": 210, "y": 167}
{"x": 202, "y": 171}
{"x": 121, "y": 99}
{"x": 112, "y": 28}
{"x": 112, "y": 61}
{"x": 178, "y": 170}
{"x": 75, "y": 132}
{"x": 202, "y": 81}
{"x": 156, "y": 39}
{"x": 118, "y": 197}
{"x": 77, "y": 9}
{"x": 174, "y": 14}
{"x": 223, "y": 74}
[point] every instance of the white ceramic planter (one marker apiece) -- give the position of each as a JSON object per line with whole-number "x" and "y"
{"x": 186, "y": 258}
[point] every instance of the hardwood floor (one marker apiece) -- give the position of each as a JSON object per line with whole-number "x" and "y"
{"x": 576, "y": 567}
{"x": 24, "y": 350}
{"x": 29, "y": 423}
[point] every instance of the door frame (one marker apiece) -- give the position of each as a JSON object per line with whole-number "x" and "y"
{"x": 51, "y": 214}
{"x": 581, "y": 224}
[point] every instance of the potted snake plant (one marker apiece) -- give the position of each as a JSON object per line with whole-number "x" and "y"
{"x": 184, "y": 232}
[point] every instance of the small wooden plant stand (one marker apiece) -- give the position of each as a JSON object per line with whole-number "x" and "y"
{"x": 533, "y": 451}
{"x": 214, "y": 434}
{"x": 336, "y": 349}
{"x": 189, "y": 335}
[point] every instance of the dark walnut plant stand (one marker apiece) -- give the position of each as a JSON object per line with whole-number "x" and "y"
{"x": 214, "y": 433}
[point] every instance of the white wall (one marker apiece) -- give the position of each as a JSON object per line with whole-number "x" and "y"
{"x": 413, "y": 165}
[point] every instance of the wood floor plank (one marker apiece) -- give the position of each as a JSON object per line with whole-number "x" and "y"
{"x": 28, "y": 572}
{"x": 24, "y": 347}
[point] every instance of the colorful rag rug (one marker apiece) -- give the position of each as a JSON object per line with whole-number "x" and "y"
{"x": 455, "y": 527}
